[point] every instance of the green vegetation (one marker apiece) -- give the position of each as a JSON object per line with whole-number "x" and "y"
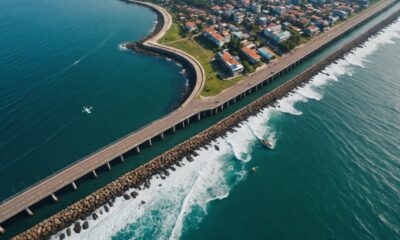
{"x": 173, "y": 34}
{"x": 204, "y": 53}
{"x": 294, "y": 40}
{"x": 195, "y": 47}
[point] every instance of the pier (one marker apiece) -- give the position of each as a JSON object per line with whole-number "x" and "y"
{"x": 193, "y": 109}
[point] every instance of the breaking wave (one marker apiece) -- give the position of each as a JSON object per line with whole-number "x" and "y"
{"x": 169, "y": 207}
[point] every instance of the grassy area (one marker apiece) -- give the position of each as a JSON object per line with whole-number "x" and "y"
{"x": 172, "y": 34}
{"x": 203, "y": 52}
{"x": 204, "y": 55}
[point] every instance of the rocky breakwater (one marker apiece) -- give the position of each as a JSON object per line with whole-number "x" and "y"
{"x": 127, "y": 185}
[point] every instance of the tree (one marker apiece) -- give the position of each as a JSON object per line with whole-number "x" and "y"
{"x": 292, "y": 42}
{"x": 234, "y": 46}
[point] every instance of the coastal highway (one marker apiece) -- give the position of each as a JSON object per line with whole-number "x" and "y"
{"x": 191, "y": 107}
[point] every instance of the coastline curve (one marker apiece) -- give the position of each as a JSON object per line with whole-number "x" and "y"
{"x": 151, "y": 43}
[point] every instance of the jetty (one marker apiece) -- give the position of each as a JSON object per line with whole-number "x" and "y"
{"x": 192, "y": 109}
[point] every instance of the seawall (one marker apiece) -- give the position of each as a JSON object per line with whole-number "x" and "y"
{"x": 162, "y": 164}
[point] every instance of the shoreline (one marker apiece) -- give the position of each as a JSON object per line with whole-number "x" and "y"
{"x": 167, "y": 161}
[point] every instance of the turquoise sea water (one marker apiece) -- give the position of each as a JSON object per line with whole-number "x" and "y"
{"x": 333, "y": 172}
{"x": 58, "y": 56}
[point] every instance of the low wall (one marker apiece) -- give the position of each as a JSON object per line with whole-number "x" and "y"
{"x": 104, "y": 197}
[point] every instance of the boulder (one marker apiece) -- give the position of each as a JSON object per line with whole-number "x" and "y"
{"x": 62, "y": 236}
{"x": 77, "y": 227}
{"x": 126, "y": 196}
{"x": 85, "y": 225}
{"x": 134, "y": 194}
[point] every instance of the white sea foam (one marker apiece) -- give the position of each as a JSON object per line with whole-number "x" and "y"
{"x": 180, "y": 201}
{"x": 122, "y": 47}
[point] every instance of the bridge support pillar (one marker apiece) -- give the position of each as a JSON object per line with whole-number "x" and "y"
{"x": 234, "y": 100}
{"x": 122, "y": 158}
{"x": 198, "y": 116}
{"x": 162, "y": 136}
{"x": 29, "y": 212}
{"x": 137, "y": 149}
{"x": 150, "y": 143}
{"x": 188, "y": 121}
{"x": 174, "y": 129}
{"x": 94, "y": 173}
{"x": 2, "y": 230}
{"x": 54, "y": 197}
{"x": 74, "y": 186}
{"x": 183, "y": 124}
{"x": 227, "y": 104}
{"x": 216, "y": 110}
{"x": 222, "y": 107}
{"x": 108, "y": 165}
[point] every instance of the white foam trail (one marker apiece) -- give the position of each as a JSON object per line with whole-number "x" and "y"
{"x": 286, "y": 104}
{"x": 182, "y": 200}
{"x": 122, "y": 47}
{"x": 240, "y": 146}
{"x": 77, "y": 61}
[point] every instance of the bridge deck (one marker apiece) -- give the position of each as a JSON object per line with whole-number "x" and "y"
{"x": 192, "y": 106}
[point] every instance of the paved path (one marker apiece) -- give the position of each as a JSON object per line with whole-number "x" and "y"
{"x": 191, "y": 107}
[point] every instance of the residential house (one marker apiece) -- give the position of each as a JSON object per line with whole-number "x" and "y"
{"x": 190, "y": 26}
{"x": 238, "y": 17}
{"x": 237, "y": 35}
{"x": 332, "y": 20}
{"x": 226, "y": 35}
{"x": 251, "y": 55}
{"x": 280, "y": 10}
{"x": 230, "y": 63}
{"x": 275, "y": 32}
{"x": 266, "y": 53}
{"x": 214, "y": 37}
{"x": 311, "y": 31}
{"x": 256, "y": 7}
{"x": 340, "y": 13}
{"x": 262, "y": 20}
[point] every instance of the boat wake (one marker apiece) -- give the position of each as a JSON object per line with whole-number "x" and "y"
{"x": 171, "y": 206}
{"x": 122, "y": 47}
{"x": 77, "y": 62}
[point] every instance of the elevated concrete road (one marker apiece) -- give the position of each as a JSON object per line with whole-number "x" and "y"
{"x": 191, "y": 107}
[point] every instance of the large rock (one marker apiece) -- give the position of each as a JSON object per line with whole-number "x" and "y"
{"x": 134, "y": 194}
{"x": 77, "y": 227}
{"x": 85, "y": 225}
{"x": 126, "y": 196}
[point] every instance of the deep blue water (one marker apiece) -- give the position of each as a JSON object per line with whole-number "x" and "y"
{"x": 58, "y": 56}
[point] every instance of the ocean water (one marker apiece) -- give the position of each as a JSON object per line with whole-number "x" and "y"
{"x": 333, "y": 172}
{"x": 59, "y": 56}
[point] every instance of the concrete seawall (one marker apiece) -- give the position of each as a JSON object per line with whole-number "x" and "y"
{"x": 161, "y": 165}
